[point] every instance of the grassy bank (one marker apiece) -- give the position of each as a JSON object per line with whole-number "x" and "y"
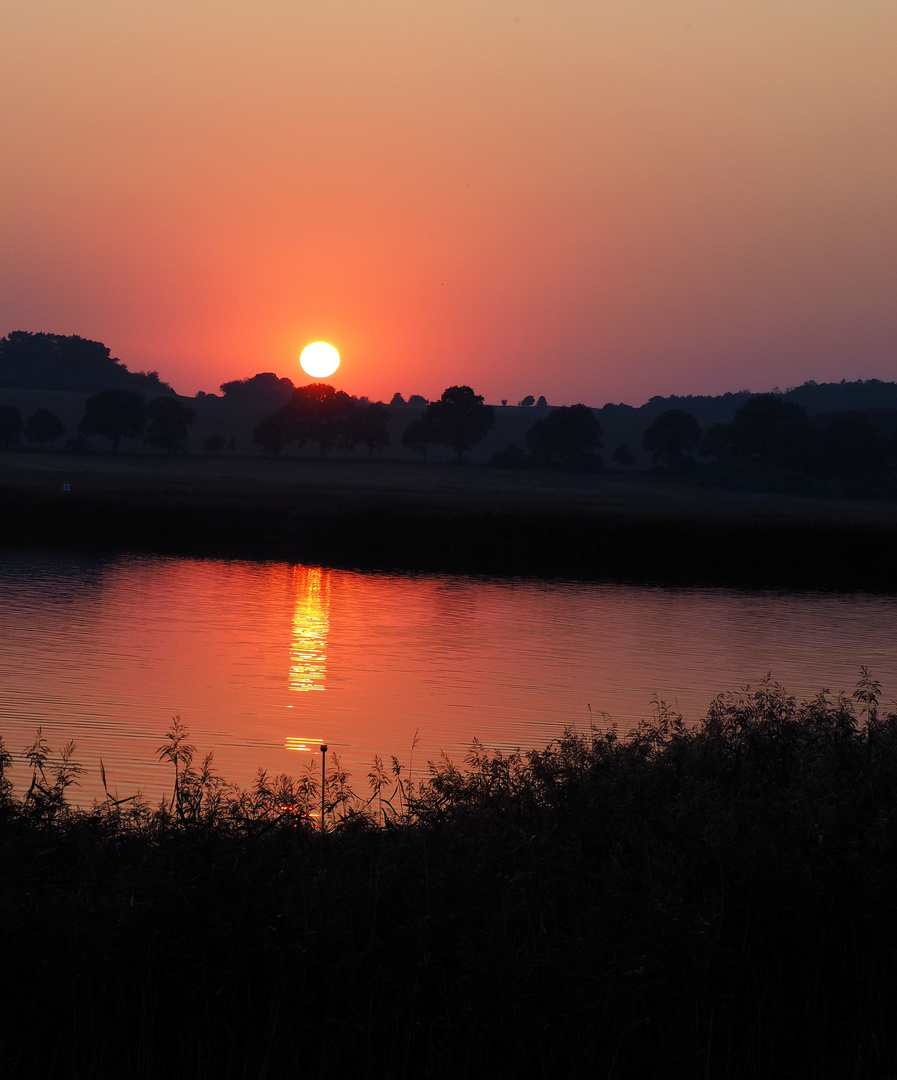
{"x": 675, "y": 902}
{"x": 437, "y": 517}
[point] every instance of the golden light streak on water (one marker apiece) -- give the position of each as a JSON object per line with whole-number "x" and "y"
{"x": 311, "y": 624}
{"x": 298, "y": 744}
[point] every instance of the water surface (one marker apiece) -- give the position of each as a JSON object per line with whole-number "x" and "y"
{"x": 262, "y": 661}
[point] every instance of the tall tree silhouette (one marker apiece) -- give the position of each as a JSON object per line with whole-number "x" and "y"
{"x": 767, "y": 430}
{"x": 44, "y": 426}
{"x": 314, "y": 413}
{"x": 672, "y": 436}
{"x": 567, "y": 436}
{"x": 320, "y": 414}
{"x": 416, "y": 437}
{"x": 367, "y": 424}
{"x": 168, "y": 423}
{"x": 115, "y": 415}
{"x": 273, "y": 432}
{"x": 459, "y": 420}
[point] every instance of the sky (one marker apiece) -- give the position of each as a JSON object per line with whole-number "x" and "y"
{"x": 594, "y": 200}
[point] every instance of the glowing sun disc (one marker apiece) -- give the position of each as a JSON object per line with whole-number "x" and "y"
{"x": 319, "y": 359}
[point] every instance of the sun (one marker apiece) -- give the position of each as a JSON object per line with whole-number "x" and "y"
{"x": 319, "y": 359}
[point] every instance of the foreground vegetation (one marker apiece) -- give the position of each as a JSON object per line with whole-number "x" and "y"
{"x": 678, "y": 901}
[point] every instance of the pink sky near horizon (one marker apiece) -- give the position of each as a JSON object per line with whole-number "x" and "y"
{"x": 588, "y": 200}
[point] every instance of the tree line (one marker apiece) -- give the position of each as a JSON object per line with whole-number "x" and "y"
{"x": 39, "y": 361}
{"x": 330, "y": 418}
{"x": 769, "y": 434}
{"x": 163, "y": 422}
{"x": 459, "y": 420}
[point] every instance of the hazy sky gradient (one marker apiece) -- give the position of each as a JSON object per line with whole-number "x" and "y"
{"x": 598, "y": 200}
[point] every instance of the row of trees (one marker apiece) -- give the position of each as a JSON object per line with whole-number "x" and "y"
{"x": 459, "y": 420}
{"x": 330, "y": 418}
{"x": 325, "y": 417}
{"x": 770, "y": 433}
{"x": 164, "y": 422}
{"x": 42, "y": 427}
{"x": 767, "y": 432}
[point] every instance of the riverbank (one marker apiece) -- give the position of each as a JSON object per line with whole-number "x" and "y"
{"x": 681, "y": 901}
{"x": 437, "y": 517}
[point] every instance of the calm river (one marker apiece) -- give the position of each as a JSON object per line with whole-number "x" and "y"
{"x": 262, "y": 661}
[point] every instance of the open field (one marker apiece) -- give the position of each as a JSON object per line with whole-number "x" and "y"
{"x": 426, "y": 516}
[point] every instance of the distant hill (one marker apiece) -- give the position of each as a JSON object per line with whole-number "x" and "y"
{"x": 59, "y": 362}
{"x": 815, "y": 398}
{"x": 864, "y": 395}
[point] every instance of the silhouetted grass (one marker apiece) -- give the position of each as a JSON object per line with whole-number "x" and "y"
{"x": 673, "y": 902}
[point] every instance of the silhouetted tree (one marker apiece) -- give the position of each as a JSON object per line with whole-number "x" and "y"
{"x": 114, "y": 414}
{"x": 852, "y": 449}
{"x": 527, "y": 402}
{"x": 397, "y": 399}
{"x": 168, "y": 423}
{"x": 314, "y": 413}
{"x": 542, "y": 403}
{"x": 767, "y": 430}
{"x": 417, "y": 437}
{"x": 318, "y": 413}
{"x": 622, "y": 455}
{"x": 418, "y": 400}
{"x": 672, "y": 436}
{"x": 44, "y": 426}
{"x": 367, "y": 424}
{"x": 11, "y": 426}
{"x": 717, "y": 442}
{"x": 215, "y": 443}
{"x": 459, "y": 420}
{"x": 567, "y": 436}
{"x": 273, "y": 432}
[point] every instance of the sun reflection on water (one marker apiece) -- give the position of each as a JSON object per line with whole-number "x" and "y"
{"x": 297, "y": 743}
{"x": 311, "y": 623}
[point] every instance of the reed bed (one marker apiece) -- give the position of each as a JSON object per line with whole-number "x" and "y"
{"x": 680, "y": 900}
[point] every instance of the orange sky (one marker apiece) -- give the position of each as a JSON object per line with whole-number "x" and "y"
{"x": 587, "y": 199}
